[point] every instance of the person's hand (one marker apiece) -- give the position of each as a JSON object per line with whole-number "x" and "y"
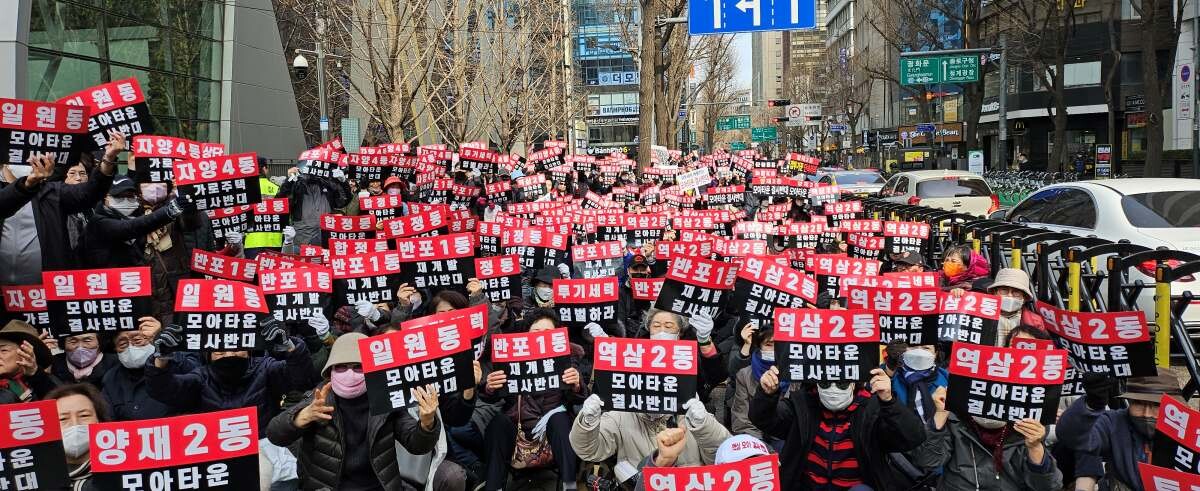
{"x": 474, "y": 286}
{"x": 41, "y": 166}
{"x": 478, "y": 369}
{"x": 570, "y": 377}
{"x": 671, "y": 442}
{"x": 747, "y": 333}
{"x": 316, "y": 411}
{"x": 367, "y": 310}
{"x": 696, "y": 413}
{"x": 770, "y": 380}
{"x": 181, "y": 204}
{"x": 880, "y": 384}
{"x": 289, "y": 235}
{"x": 319, "y": 324}
{"x": 338, "y": 174}
{"x": 590, "y": 412}
{"x": 564, "y": 271}
{"x": 1098, "y": 390}
{"x": 940, "y": 414}
{"x": 116, "y": 145}
{"x": 702, "y": 322}
{"x": 233, "y": 238}
{"x": 292, "y": 173}
{"x": 275, "y": 336}
{"x": 427, "y": 405}
{"x": 149, "y": 326}
{"x": 50, "y": 341}
{"x": 496, "y": 380}
{"x": 648, "y": 250}
{"x": 26, "y": 359}
{"x": 404, "y": 295}
{"x": 167, "y": 340}
{"x": 957, "y": 292}
{"x": 595, "y": 330}
{"x": 1032, "y": 430}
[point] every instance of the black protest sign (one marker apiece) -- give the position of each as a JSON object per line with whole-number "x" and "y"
{"x": 971, "y": 318}
{"x": 219, "y": 315}
{"x": 829, "y": 268}
{"x": 644, "y": 375}
{"x": 27, "y": 303}
{"x": 1176, "y": 436}
{"x": 32, "y": 127}
{"x": 530, "y": 188}
{"x": 610, "y": 226}
{"x": 907, "y": 314}
{"x": 1117, "y": 344}
{"x": 537, "y": 247}
{"x": 271, "y": 215}
{"x": 416, "y": 224}
{"x": 31, "y": 447}
{"x": 813, "y": 345}
{"x": 155, "y": 156}
{"x": 342, "y": 247}
{"x": 532, "y": 361}
{"x": 219, "y": 182}
{"x": 118, "y": 106}
{"x": 580, "y": 302}
{"x": 216, "y": 266}
{"x": 439, "y": 262}
{"x": 906, "y": 236}
{"x": 644, "y": 227}
{"x": 597, "y": 260}
{"x": 500, "y": 277}
{"x": 320, "y": 162}
{"x": 369, "y": 167}
{"x": 1005, "y": 384}
{"x": 865, "y": 246}
{"x": 694, "y": 285}
{"x": 763, "y": 286}
{"x": 397, "y": 362}
{"x": 371, "y": 277}
{"x": 725, "y": 195}
{"x": 489, "y": 235}
{"x": 297, "y": 294}
{"x": 478, "y": 159}
{"x": 346, "y": 227}
{"x": 232, "y": 219}
{"x": 499, "y": 192}
{"x": 97, "y": 300}
{"x": 206, "y": 451}
{"x": 839, "y": 211}
{"x": 383, "y": 206}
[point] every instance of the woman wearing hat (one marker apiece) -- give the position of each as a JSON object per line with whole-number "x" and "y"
{"x": 1012, "y": 285}
{"x": 23, "y": 362}
{"x": 345, "y": 446}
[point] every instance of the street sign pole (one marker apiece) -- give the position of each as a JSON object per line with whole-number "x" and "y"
{"x": 1002, "y": 111}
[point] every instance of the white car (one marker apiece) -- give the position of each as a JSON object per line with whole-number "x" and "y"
{"x": 858, "y": 182}
{"x": 952, "y": 190}
{"x": 1147, "y": 212}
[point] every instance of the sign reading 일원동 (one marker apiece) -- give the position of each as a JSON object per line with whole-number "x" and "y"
{"x": 118, "y": 105}
{"x": 219, "y": 315}
{"x": 644, "y": 375}
{"x": 1005, "y": 384}
{"x": 96, "y": 300}
{"x": 33, "y": 127}
{"x": 814, "y": 345}
{"x": 397, "y": 362}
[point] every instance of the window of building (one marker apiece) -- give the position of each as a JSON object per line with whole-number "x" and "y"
{"x": 1081, "y": 74}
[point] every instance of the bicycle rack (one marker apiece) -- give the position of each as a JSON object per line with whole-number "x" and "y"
{"x": 1092, "y": 277}
{"x": 1162, "y": 290}
{"x": 1027, "y": 261}
{"x": 1172, "y": 309}
{"x": 967, "y": 229}
{"x": 995, "y": 240}
{"x": 1050, "y": 281}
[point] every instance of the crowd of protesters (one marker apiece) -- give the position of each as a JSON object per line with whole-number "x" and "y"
{"x": 890, "y": 430}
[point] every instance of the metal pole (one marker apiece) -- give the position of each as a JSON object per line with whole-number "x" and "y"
{"x": 1002, "y": 111}
{"x": 321, "y": 78}
{"x": 1195, "y": 93}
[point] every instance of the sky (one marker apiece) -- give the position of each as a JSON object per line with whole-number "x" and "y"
{"x": 741, "y": 43}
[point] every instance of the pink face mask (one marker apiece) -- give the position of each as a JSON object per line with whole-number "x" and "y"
{"x": 348, "y": 384}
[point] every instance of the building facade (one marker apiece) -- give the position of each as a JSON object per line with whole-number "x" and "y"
{"x": 608, "y": 76}
{"x": 211, "y": 70}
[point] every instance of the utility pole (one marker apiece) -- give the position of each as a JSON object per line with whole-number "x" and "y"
{"x": 1002, "y": 111}
{"x": 301, "y": 63}
{"x": 1195, "y": 93}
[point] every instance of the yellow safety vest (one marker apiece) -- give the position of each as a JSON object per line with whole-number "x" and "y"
{"x": 257, "y": 240}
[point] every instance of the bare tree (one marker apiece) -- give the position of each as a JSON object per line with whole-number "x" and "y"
{"x": 1159, "y": 29}
{"x": 717, "y": 91}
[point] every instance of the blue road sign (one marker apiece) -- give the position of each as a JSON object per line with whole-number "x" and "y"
{"x": 925, "y": 128}
{"x": 840, "y": 128}
{"x": 726, "y": 16}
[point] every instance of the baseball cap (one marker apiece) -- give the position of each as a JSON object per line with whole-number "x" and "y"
{"x": 740, "y": 447}
{"x": 122, "y": 185}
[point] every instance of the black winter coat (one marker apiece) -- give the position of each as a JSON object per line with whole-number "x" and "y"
{"x": 53, "y": 202}
{"x": 322, "y": 449}
{"x": 117, "y": 241}
{"x": 60, "y": 370}
{"x": 877, "y": 428}
{"x": 13, "y": 197}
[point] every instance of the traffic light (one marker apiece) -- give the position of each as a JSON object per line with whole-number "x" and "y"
{"x": 778, "y": 102}
{"x": 780, "y": 120}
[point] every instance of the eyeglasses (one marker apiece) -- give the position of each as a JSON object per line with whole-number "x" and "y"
{"x": 134, "y": 340}
{"x": 345, "y": 368}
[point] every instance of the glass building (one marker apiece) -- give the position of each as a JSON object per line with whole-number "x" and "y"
{"x": 202, "y": 64}
{"x": 608, "y": 75}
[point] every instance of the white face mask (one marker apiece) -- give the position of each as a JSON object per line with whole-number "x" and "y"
{"x": 665, "y": 336}
{"x": 19, "y": 170}
{"x": 134, "y": 357}
{"x": 124, "y": 206}
{"x": 989, "y": 423}
{"x": 75, "y": 441}
{"x": 1011, "y": 304}
{"x": 836, "y": 398}
{"x": 364, "y": 194}
{"x": 394, "y": 192}
{"x": 543, "y": 293}
{"x": 767, "y": 355}
{"x": 917, "y": 359}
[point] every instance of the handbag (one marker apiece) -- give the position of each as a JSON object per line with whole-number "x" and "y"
{"x": 530, "y": 453}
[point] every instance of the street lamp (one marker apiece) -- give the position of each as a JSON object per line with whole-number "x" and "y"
{"x": 300, "y": 65}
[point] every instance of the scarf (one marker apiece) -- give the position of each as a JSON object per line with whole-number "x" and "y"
{"x": 832, "y": 462}
{"x": 80, "y": 475}
{"x": 993, "y": 440}
{"x": 82, "y": 373}
{"x": 17, "y": 386}
{"x": 918, "y": 386}
{"x": 978, "y": 267}
{"x": 758, "y": 367}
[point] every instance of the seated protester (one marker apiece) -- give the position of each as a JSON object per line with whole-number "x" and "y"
{"x": 231, "y": 379}
{"x": 117, "y": 231}
{"x": 917, "y": 378}
{"x": 961, "y": 266}
{"x": 1117, "y": 438}
{"x": 893, "y": 357}
{"x": 1012, "y": 285}
{"x": 79, "y": 405}
{"x": 761, "y": 359}
{"x": 84, "y": 360}
{"x": 908, "y": 262}
{"x": 982, "y": 453}
{"x": 630, "y": 311}
{"x": 598, "y": 435}
{"x": 740, "y": 358}
{"x": 344, "y": 446}
{"x": 538, "y": 416}
{"x": 125, "y": 387}
{"x": 24, "y": 360}
{"x": 671, "y": 442}
{"x": 541, "y": 291}
{"x": 835, "y": 436}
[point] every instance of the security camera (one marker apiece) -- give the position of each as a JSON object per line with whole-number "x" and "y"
{"x": 300, "y": 65}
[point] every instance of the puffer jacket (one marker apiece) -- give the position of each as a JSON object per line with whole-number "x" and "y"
{"x": 115, "y": 240}
{"x": 321, "y": 448}
{"x": 967, "y": 464}
{"x": 263, "y": 385}
{"x": 877, "y": 428}
{"x": 632, "y": 436}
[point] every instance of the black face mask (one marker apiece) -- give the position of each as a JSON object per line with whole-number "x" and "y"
{"x": 229, "y": 370}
